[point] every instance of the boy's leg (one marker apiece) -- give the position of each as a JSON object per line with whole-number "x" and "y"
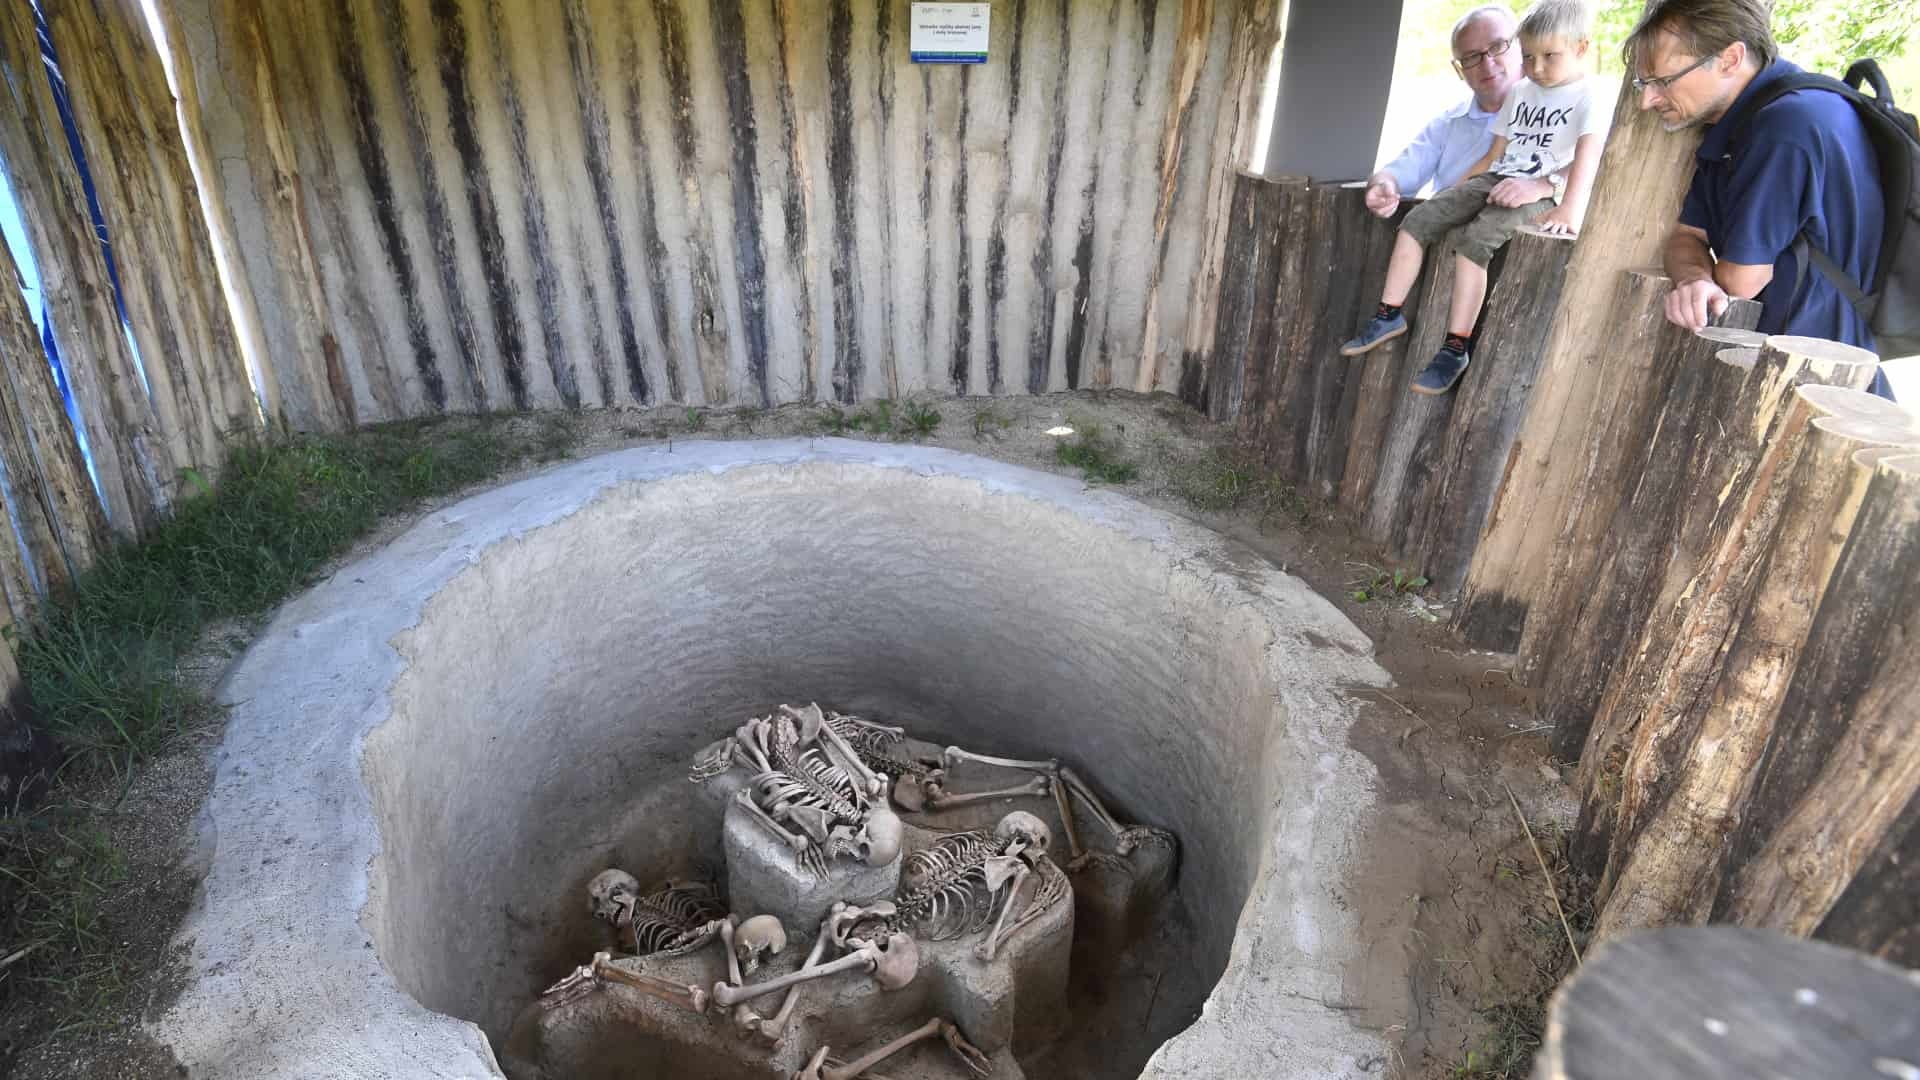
{"x": 1469, "y": 292}
{"x": 1403, "y": 269}
{"x": 1475, "y": 244}
{"x": 1427, "y": 222}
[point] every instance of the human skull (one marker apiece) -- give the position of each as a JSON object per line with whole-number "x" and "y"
{"x": 879, "y": 839}
{"x": 759, "y": 936}
{"x": 611, "y": 896}
{"x": 1026, "y": 828}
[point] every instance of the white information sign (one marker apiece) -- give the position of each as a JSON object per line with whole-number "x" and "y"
{"x": 950, "y": 33}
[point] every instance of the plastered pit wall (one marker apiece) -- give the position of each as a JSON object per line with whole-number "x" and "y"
{"x": 523, "y": 676}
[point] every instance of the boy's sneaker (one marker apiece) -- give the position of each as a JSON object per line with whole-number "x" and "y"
{"x": 1378, "y": 330}
{"x": 1441, "y": 372}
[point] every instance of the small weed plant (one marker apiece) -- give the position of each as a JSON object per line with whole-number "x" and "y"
{"x": 1385, "y": 585}
{"x": 990, "y": 423}
{"x": 1096, "y": 456}
{"x": 918, "y": 420}
{"x": 1218, "y": 482}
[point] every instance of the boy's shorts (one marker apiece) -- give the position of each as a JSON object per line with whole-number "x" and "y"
{"x": 1483, "y": 227}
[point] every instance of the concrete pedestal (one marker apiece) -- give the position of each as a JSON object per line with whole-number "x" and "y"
{"x": 764, "y": 876}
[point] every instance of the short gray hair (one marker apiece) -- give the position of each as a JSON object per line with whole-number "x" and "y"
{"x": 1707, "y": 27}
{"x": 1557, "y": 20}
{"x": 1481, "y": 12}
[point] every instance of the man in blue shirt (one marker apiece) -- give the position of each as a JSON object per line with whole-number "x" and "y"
{"x": 1805, "y": 166}
{"x": 1487, "y": 59}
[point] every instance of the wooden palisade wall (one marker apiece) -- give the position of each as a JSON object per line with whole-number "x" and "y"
{"x": 505, "y": 204}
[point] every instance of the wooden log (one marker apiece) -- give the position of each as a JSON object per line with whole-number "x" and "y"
{"x": 1593, "y": 606}
{"x": 1841, "y": 767}
{"x": 1637, "y": 544}
{"x": 1685, "y": 583}
{"x": 1303, "y": 288}
{"x": 1490, "y": 401}
{"x": 123, "y": 111}
{"x": 1344, "y": 252}
{"x": 1651, "y": 352}
{"x": 131, "y": 455}
{"x": 1693, "y": 765}
{"x": 1300, "y": 236}
{"x": 1410, "y": 435}
{"x": 57, "y": 516}
{"x": 1729, "y": 1003}
{"x": 1382, "y": 381}
{"x": 1255, "y": 262}
{"x": 1644, "y": 172}
{"x": 1333, "y": 438}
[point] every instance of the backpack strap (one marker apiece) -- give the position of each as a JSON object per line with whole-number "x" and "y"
{"x": 1777, "y": 89}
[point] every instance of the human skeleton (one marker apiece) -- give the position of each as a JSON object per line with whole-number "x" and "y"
{"x": 808, "y": 787}
{"x": 921, "y": 784}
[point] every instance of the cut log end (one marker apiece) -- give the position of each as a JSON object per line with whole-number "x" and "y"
{"x": 1743, "y": 357}
{"x": 1732, "y": 335}
{"x": 1822, "y": 351}
{"x": 1858, "y": 404}
{"x": 1873, "y": 432}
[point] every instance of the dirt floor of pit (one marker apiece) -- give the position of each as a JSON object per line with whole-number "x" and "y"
{"x": 1450, "y": 888}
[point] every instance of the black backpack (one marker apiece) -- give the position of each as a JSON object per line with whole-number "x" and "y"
{"x": 1891, "y": 306}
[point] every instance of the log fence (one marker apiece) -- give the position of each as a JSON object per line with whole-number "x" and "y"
{"x": 1716, "y": 486}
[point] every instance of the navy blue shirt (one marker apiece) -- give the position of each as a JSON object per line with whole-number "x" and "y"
{"x": 1807, "y": 166}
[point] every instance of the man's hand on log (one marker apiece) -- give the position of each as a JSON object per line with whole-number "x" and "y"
{"x": 1696, "y": 304}
{"x": 1383, "y": 196}
{"x": 1519, "y": 191}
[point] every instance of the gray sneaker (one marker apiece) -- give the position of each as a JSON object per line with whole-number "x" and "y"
{"x": 1440, "y": 373}
{"x": 1378, "y": 330}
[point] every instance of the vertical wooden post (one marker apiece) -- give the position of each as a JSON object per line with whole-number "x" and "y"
{"x": 1410, "y": 442}
{"x": 1706, "y": 479}
{"x": 1694, "y": 761}
{"x": 1492, "y": 399}
{"x": 1644, "y": 174}
{"x": 1841, "y": 768}
{"x": 130, "y": 451}
{"x": 1262, "y": 214}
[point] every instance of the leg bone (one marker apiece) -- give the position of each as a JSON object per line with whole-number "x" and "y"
{"x": 1039, "y": 785}
{"x": 591, "y": 977}
{"x": 986, "y": 949}
{"x": 953, "y": 755}
{"x": 874, "y": 1057}
{"x": 793, "y": 840}
{"x": 730, "y": 995}
{"x": 774, "y": 1029}
{"x": 1065, "y": 805}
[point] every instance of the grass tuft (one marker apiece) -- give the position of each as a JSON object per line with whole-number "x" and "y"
{"x": 918, "y": 420}
{"x": 1096, "y": 456}
{"x": 102, "y": 661}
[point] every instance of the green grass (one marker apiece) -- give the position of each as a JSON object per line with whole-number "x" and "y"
{"x": 918, "y": 420}
{"x": 1219, "y": 482}
{"x": 1097, "y": 457}
{"x": 102, "y": 661}
{"x": 1384, "y": 585}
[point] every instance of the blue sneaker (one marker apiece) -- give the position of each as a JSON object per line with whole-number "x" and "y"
{"x": 1378, "y": 330}
{"x": 1441, "y": 372}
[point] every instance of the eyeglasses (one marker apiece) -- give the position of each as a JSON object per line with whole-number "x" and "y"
{"x": 1496, "y": 47}
{"x": 1661, "y": 82}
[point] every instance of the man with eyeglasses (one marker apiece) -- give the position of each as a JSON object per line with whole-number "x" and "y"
{"x": 1804, "y": 168}
{"x": 1488, "y": 61}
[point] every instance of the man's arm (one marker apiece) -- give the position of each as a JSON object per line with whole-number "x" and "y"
{"x": 1702, "y": 286}
{"x": 1410, "y": 171}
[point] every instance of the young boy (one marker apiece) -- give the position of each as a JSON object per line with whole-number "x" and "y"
{"x": 1545, "y": 151}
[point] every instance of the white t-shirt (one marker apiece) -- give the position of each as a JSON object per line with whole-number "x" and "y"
{"x": 1543, "y": 123}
